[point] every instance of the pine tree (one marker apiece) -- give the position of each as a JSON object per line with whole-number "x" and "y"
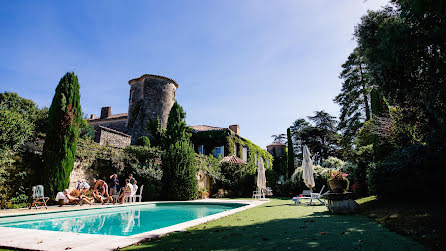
{"x": 59, "y": 150}
{"x": 354, "y": 97}
{"x": 290, "y": 154}
{"x": 179, "y": 167}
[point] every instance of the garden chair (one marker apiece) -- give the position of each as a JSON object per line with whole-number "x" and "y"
{"x": 317, "y": 196}
{"x": 39, "y": 197}
{"x": 306, "y": 194}
{"x": 258, "y": 194}
{"x": 134, "y": 197}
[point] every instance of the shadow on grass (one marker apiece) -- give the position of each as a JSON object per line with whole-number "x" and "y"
{"x": 319, "y": 230}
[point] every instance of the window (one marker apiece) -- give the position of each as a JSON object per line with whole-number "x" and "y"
{"x": 235, "y": 149}
{"x": 245, "y": 154}
{"x": 201, "y": 149}
{"x": 267, "y": 164}
{"x": 219, "y": 151}
{"x": 131, "y": 95}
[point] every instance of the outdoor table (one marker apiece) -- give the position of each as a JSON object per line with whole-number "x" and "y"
{"x": 341, "y": 203}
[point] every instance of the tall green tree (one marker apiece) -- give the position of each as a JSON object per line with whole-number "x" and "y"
{"x": 59, "y": 150}
{"x": 291, "y": 157}
{"x": 179, "y": 167}
{"x": 354, "y": 97}
{"x": 405, "y": 50}
{"x": 319, "y": 134}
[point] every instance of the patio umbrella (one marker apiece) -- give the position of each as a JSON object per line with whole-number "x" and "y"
{"x": 261, "y": 179}
{"x": 307, "y": 166}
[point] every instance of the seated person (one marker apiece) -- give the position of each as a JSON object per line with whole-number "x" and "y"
{"x": 67, "y": 198}
{"x": 127, "y": 191}
{"x": 102, "y": 187}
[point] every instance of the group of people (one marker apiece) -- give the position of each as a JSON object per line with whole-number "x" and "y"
{"x": 99, "y": 191}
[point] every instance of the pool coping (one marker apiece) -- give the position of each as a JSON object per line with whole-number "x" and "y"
{"x": 54, "y": 240}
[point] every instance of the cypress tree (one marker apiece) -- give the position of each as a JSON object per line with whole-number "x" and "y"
{"x": 179, "y": 167}
{"x": 59, "y": 150}
{"x": 291, "y": 158}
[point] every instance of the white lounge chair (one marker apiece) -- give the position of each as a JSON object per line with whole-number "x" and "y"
{"x": 134, "y": 197}
{"x": 307, "y": 194}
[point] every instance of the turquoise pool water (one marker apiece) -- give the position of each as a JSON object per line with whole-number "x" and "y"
{"x": 121, "y": 221}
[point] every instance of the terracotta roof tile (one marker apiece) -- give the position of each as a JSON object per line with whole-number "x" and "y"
{"x": 233, "y": 160}
{"x": 205, "y": 128}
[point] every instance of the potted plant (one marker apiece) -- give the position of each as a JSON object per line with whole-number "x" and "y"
{"x": 338, "y": 181}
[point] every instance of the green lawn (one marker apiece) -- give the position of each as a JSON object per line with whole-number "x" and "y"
{"x": 279, "y": 225}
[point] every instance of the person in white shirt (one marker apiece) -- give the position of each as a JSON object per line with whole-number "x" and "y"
{"x": 135, "y": 188}
{"x": 128, "y": 188}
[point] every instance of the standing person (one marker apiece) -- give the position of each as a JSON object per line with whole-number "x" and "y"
{"x": 102, "y": 187}
{"x": 114, "y": 184}
{"x": 135, "y": 188}
{"x": 132, "y": 180}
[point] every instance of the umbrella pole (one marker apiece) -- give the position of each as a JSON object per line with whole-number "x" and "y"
{"x": 311, "y": 189}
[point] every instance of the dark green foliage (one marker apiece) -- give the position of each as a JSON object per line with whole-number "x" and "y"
{"x": 238, "y": 180}
{"x": 380, "y": 107}
{"x": 411, "y": 172}
{"x": 142, "y": 162}
{"x": 64, "y": 117}
{"x": 134, "y": 113}
{"x": 176, "y": 128}
{"x": 156, "y": 132}
{"x": 179, "y": 172}
{"x": 290, "y": 160}
{"x": 179, "y": 167}
{"x": 143, "y": 141}
{"x": 405, "y": 49}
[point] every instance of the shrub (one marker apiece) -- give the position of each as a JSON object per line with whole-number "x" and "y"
{"x": 143, "y": 141}
{"x": 333, "y": 162}
{"x": 411, "y": 172}
{"x": 59, "y": 149}
{"x": 179, "y": 172}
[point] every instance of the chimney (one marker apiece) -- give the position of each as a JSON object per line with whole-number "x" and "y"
{"x": 92, "y": 116}
{"x": 106, "y": 112}
{"x": 235, "y": 128}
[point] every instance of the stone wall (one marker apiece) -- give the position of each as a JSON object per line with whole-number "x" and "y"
{"x": 115, "y": 124}
{"x": 104, "y": 135}
{"x": 80, "y": 172}
{"x": 151, "y": 97}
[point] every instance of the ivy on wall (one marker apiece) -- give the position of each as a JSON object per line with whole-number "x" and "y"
{"x": 229, "y": 139}
{"x": 134, "y": 113}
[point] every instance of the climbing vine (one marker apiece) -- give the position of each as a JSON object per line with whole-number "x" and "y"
{"x": 134, "y": 113}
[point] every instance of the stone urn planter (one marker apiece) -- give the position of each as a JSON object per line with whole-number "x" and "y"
{"x": 337, "y": 186}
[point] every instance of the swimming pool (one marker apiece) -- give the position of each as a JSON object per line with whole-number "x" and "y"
{"x": 119, "y": 221}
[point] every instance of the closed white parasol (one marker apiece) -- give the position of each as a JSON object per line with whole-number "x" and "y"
{"x": 261, "y": 178}
{"x": 307, "y": 166}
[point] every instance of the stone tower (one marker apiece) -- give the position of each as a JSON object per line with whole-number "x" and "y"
{"x": 151, "y": 97}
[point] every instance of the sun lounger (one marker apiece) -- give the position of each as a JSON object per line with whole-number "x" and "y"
{"x": 307, "y": 194}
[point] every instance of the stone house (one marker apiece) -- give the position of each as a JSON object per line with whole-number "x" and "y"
{"x": 220, "y": 141}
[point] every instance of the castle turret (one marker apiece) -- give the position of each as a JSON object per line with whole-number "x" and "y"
{"x": 151, "y": 97}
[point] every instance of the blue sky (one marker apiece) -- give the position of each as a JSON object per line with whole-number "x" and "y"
{"x": 259, "y": 64}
